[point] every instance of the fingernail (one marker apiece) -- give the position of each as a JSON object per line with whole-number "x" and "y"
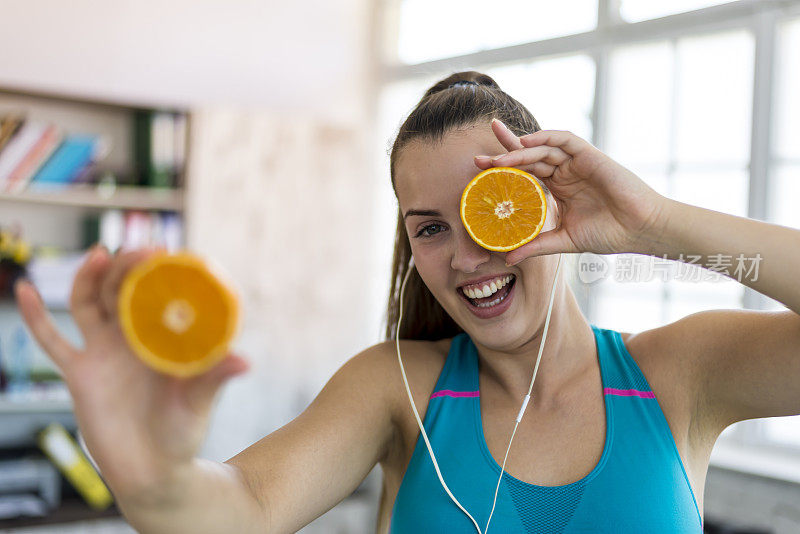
{"x": 95, "y": 252}
{"x": 501, "y": 123}
{"x": 18, "y": 282}
{"x": 483, "y": 158}
{"x": 26, "y": 281}
{"x": 498, "y": 158}
{"x": 512, "y": 263}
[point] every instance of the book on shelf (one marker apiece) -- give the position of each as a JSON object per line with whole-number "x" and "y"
{"x": 133, "y": 229}
{"x": 33, "y": 160}
{"x": 53, "y": 270}
{"x": 8, "y": 127}
{"x": 18, "y": 147}
{"x": 41, "y": 155}
{"x": 75, "y": 155}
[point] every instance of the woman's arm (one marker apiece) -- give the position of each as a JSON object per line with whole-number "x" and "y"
{"x": 747, "y": 362}
{"x": 744, "y": 364}
{"x": 294, "y": 475}
{"x": 768, "y": 255}
{"x": 305, "y": 468}
{"x": 144, "y": 428}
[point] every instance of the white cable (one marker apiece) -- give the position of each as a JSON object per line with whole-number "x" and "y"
{"x": 519, "y": 415}
{"x": 414, "y": 407}
{"x": 530, "y": 389}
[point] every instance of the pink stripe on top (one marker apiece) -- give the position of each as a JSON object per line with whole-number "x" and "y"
{"x": 451, "y": 393}
{"x": 630, "y": 393}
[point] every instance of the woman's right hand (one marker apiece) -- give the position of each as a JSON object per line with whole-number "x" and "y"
{"x": 141, "y": 427}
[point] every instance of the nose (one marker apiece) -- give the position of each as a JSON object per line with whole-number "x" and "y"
{"x": 467, "y": 254}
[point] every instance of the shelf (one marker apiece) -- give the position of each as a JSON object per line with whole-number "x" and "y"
{"x": 35, "y": 407}
{"x": 72, "y": 509}
{"x": 88, "y": 196}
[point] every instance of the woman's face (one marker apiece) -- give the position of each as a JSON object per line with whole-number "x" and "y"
{"x": 429, "y": 179}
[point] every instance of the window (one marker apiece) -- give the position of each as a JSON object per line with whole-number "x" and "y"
{"x": 675, "y": 105}
{"x": 435, "y": 29}
{"x": 558, "y": 91}
{"x": 638, "y": 10}
{"x": 679, "y": 115}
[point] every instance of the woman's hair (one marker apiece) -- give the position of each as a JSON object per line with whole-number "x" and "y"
{"x": 462, "y": 99}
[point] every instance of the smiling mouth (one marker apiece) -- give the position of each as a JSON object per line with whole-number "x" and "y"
{"x": 493, "y": 299}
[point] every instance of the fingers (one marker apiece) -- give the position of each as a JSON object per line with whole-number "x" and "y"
{"x": 566, "y": 141}
{"x": 115, "y": 273}
{"x": 41, "y": 326}
{"x": 552, "y": 156}
{"x": 506, "y": 137}
{"x": 539, "y": 169}
{"x": 550, "y": 242}
{"x": 85, "y": 305}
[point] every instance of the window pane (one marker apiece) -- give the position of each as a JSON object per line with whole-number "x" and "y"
{"x": 686, "y": 298}
{"x": 627, "y": 313}
{"x": 724, "y": 191}
{"x": 784, "y": 430}
{"x": 637, "y": 10}
{"x": 640, "y": 104}
{"x": 714, "y": 98}
{"x": 559, "y": 92}
{"x": 629, "y": 298}
{"x": 785, "y": 192}
{"x": 435, "y": 29}
{"x": 787, "y": 108}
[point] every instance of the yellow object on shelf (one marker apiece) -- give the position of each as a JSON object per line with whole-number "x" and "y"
{"x": 62, "y": 450}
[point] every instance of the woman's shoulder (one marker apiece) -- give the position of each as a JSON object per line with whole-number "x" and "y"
{"x": 422, "y": 361}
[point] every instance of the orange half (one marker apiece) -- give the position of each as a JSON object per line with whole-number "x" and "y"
{"x": 503, "y": 208}
{"x": 177, "y": 315}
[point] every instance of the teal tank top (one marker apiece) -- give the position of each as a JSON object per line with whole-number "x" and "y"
{"x": 639, "y": 484}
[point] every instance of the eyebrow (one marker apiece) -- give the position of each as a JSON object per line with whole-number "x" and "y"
{"x": 422, "y": 212}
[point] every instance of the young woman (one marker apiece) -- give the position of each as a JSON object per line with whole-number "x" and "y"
{"x": 620, "y": 426}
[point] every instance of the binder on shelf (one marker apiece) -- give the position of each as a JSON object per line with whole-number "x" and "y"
{"x": 159, "y": 148}
{"x": 70, "y": 160}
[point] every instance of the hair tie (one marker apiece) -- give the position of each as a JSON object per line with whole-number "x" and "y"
{"x": 463, "y": 83}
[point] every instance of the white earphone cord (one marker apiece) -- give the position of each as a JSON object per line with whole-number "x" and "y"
{"x": 519, "y": 415}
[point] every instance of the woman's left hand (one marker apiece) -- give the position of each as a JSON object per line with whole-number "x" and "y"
{"x": 603, "y": 207}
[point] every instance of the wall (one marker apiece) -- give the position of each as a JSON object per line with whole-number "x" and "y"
{"x": 282, "y": 56}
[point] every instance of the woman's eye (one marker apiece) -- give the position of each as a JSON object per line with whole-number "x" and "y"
{"x": 429, "y": 230}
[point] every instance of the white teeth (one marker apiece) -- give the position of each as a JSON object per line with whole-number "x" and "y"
{"x": 488, "y": 288}
{"x": 492, "y": 303}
